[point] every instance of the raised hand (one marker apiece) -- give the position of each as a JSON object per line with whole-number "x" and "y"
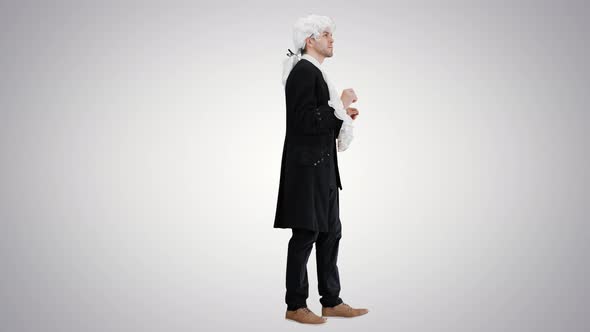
{"x": 348, "y": 97}
{"x": 353, "y": 112}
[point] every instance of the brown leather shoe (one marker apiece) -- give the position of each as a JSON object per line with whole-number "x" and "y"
{"x": 305, "y": 316}
{"x": 342, "y": 310}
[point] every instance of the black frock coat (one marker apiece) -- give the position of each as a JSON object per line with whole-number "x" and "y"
{"x": 309, "y": 165}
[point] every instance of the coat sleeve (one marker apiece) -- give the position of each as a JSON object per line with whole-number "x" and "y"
{"x": 310, "y": 118}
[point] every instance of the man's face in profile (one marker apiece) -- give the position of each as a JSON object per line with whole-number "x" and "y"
{"x": 324, "y": 45}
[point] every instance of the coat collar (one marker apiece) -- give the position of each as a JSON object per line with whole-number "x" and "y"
{"x": 312, "y": 60}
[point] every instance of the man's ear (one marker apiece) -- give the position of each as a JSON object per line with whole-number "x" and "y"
{"x": 308, "y": 39}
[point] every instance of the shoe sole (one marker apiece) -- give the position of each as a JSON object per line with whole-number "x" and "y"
{"x": 343, "y": 317}
{"x": 298, "y": 322}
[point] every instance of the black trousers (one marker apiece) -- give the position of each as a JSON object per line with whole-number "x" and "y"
{"x": 326, "y": 244}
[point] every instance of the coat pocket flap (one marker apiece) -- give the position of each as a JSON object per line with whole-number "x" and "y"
{"x": 309, "y": 156}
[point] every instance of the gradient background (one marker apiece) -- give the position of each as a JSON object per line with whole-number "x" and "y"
{"x": 141, "y": 147}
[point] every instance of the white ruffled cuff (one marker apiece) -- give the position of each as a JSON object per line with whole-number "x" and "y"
{"x": 344, "y": 137}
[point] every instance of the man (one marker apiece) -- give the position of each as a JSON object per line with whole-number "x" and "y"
{"x": 308, "y": 190}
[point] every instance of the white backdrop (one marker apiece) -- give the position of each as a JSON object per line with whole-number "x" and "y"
{"x": 140, "y": 150}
